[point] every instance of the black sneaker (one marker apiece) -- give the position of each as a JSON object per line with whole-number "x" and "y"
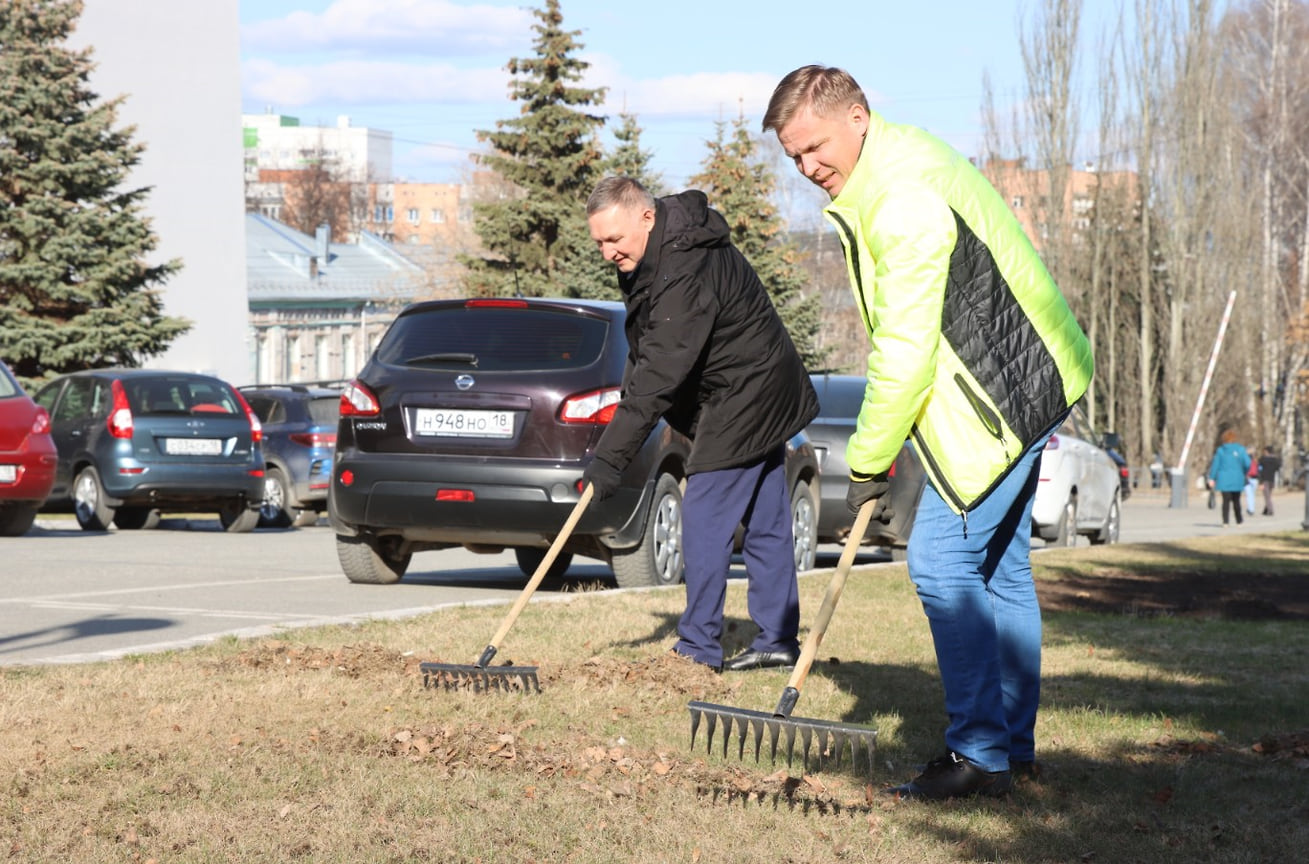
{"x": 953, "y": 776}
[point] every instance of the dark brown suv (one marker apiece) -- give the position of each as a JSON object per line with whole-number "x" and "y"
{"x": 471, "y": 426}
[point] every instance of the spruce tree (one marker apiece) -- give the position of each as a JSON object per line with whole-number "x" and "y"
{"x": 740, "y": 185}
{"x": 629, "y": 160}
{"x": 75, "y": 289}
{"x": 538, "y": 241}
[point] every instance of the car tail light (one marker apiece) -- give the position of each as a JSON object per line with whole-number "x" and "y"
{"x": 455, "y": 495}
{"x": 495, "y": 303}
{"x": 596, "y": 407}
{"x": 256, "y": 428}
{"x": 120, "y": 415}
{"x": 314, "y": 439}
{"x": 1053, "y": 443}
{"x": 41, "y": 422}
{"x": 347, "y": 477}
{"x": 358, "y": 401}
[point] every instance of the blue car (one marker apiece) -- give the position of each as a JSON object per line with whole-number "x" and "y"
{"x": 299, "y": 423}
{"x": 135, "y": 442}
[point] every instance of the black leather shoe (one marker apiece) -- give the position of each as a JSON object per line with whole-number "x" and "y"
{"x": 953, "y": 776}
{"x": 752, "y": 659}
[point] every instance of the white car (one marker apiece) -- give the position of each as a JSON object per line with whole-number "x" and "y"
{"x": 1079, "y": 488}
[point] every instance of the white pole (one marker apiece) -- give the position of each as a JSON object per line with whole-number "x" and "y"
{"x": 1204, "y": 388}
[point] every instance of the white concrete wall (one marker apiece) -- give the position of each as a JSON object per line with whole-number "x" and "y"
{"x": 178, "y": 63}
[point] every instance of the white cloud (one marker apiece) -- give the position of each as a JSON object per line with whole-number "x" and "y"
{"x": 432, "y": 27}
{"x": 366, "y": 82}
{"x": 701, "y": 94}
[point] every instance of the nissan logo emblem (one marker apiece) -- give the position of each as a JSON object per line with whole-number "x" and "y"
{"x": 464, "y": 382}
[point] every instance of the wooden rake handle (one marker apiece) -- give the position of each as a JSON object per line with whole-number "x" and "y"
{"x": 541, "y": 569}
{"x": 834, "y": 588}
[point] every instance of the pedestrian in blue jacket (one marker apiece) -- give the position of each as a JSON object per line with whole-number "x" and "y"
{"x": 1227, "y": 472}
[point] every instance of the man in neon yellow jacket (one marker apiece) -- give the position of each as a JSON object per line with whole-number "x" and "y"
{"x": 975, "y": 356}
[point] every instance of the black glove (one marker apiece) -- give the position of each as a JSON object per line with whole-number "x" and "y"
{"x": 602, "y": 477}
{"x": 870, "y": 487}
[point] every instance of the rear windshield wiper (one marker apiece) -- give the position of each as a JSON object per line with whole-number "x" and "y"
{"x": 448, "y": 357}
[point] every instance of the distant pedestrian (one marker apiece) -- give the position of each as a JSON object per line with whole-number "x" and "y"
{"x": 1227, "y": 472}
{"x": 1156, "y": 471}
{"x": 1269, "y": 465}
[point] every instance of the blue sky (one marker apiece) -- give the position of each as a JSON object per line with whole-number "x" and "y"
{"x": 432, "y": 71}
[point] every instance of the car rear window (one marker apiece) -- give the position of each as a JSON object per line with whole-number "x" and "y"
{"x": 325, "y": 411}
{"x": 177, "y": 395}
{"x": 8, "y": 387}
{"x": 494, "y": 339}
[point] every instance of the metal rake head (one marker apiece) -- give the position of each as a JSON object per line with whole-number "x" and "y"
{"x": 827, "y": 741}
{"x": 455, "y": 676}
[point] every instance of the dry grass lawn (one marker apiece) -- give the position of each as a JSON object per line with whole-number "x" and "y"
{"x": 1173, "y": 728}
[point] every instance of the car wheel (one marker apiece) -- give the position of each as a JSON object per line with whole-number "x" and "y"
{"x": 657, "y": 559}
{"x": 236, "y": 518}
{"x": 16, "y": 519}
{"x": 93, "y": 514}
{"x": 529, "y": 558}
{"x": 804, "y": 526}
{"x": 273, "y": 512}
{"x": 136, "y": 518}
{"x": 371, "y": 562}
{"x": 1066, "y": 531}
{"x": 1109, "y": 533}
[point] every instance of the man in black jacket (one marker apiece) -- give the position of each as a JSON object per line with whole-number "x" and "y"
{"x": 707, "y": 352}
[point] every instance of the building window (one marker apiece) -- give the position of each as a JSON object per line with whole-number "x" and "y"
{"x": 322, "y": 359}
{"x": 390, "y": 214}
{"x": 413, "y": 216}
{"x": 348, "y": 363}
{"x": 293, "y": 359}
{"x": 438, "y": 216}
{"x": 1017, "y": 202}
{"x": 378, "y": 212}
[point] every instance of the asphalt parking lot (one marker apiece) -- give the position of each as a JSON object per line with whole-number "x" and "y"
{"x": 74, "y": 596}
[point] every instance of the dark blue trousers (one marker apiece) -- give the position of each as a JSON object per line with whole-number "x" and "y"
{"x": 714, "y": 503}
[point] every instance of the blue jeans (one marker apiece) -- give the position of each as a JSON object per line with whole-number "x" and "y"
{"x": 714, "y": 503}
{"x": 974, "y": 577}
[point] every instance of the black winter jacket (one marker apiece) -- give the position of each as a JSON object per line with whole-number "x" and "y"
{"x": 707, "y": 350}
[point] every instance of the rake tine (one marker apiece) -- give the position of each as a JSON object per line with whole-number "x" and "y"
{"x": 758, "y": 728}
{"x": 709, "y": 732}
{"x": 741, "y": 726}
{"x": 839, "y": 740}
{"x": 696, "y": 713}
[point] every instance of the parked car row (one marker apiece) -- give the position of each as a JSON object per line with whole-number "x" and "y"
{"x": 470, "y": 426}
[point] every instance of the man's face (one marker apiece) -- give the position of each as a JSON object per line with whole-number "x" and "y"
{"x": 825, "y": 149}
{"x": 621, "y": 233}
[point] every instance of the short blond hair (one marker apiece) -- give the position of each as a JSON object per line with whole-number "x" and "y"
{"x": 824, "y": 90}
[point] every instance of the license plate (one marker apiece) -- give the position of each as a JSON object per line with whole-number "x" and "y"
{"x": 193, "y": 446}
{"x": 8, "y": 473}
{"x": 463, "y": 423}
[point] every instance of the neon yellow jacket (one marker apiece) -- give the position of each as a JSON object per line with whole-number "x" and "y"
{"x": 974, "y": 352}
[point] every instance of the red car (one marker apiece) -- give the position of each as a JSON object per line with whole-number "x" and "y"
{"x": 27, "y": 456}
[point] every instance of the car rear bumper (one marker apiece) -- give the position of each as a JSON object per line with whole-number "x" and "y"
{"x": 179, "y": 486}
{"x": 33, "y": 477}
{"x": 486, "y": 503}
